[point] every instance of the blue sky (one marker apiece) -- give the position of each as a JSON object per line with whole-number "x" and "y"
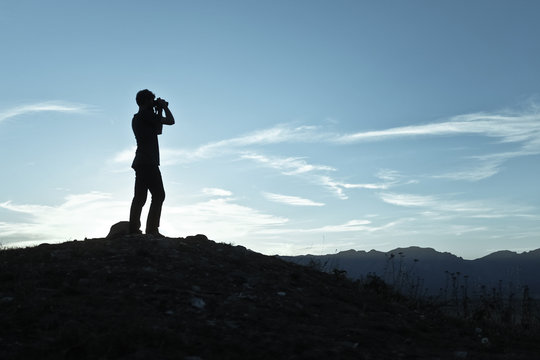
{"x": 302, "y": 126}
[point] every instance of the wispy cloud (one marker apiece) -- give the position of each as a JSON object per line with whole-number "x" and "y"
{"x": 349, "y": 226}
{"x": 216, "y": 192}
{"x": 408, "y": 200}
{"x": 338, "y": 187}
{"x": 521, "y": 128}
{"x": 438, "y": 203}
{"x": 390, "y": 178}
{"x": 280, "y": 133}
{"x": 483, "y": 170}
{"x": 124, "y": 156}
{"x": 220, "y": 218}
{"x": 510, "y": 127}
{"x": 49, "y": 106}
{"x": 358, "y": 226}
{"x": 91, "y": 215}
{"x": 316, "y": 174}
{"x": 513, "y": 127}
{"x": 288, "y": 165}
{"x": 80, "y": 215}
{"x": 440, "y": 207}
{"x": 291, "y": 200}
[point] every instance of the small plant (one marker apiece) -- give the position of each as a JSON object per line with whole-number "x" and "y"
{"x": 502, "y": 306}
{"x": 327, "y": 265}
{"x": 374, "y": 283}
{"x": 402, "y": 278}
{"x": 317, "y": 264}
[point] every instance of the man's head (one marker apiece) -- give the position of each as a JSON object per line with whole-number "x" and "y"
{"x": 145, "y": 98}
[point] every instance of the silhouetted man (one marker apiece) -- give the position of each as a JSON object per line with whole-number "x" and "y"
{"x": 147, "y": 124}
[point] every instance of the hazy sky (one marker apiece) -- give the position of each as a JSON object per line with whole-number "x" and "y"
{"x": 302, "y": 126}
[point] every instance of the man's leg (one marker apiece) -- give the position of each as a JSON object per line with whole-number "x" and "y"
{"x": 155, "y": 185}
{"x": 139, "y": 199}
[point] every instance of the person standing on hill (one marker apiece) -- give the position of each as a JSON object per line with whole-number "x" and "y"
{"x": 147, "y": 124}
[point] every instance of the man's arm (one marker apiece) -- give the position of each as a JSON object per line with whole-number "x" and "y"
{"x": 169, "y": 118}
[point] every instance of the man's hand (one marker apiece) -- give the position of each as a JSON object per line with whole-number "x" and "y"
{"x": 169, "y": 118}
{"x": 162, "y": 103}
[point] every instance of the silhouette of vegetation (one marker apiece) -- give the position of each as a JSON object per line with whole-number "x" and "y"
{"x": 502, "y": 307}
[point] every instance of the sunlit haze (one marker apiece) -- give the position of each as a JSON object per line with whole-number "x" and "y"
{"x": 301, "y": 126}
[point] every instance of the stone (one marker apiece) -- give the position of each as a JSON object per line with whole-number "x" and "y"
{"x": 118, "y": 230}
{"x": 198, "y": 303}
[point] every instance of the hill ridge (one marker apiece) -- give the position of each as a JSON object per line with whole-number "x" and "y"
{"x": 138, "y": 297}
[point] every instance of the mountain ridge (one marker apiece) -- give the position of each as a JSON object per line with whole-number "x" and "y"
{"x": 514, "y": 270}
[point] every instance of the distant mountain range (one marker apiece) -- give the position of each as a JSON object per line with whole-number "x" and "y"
{"x": 433, "y": 272}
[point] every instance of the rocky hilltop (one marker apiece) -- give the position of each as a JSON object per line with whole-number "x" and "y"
{"x": 138, "y": 297}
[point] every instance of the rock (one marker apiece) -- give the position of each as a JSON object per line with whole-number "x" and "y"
{"x": 198, "y": 237}
{"x": 118, "y": 230}
{"x": 6, "y": 299}
{"x": 198, "y": 303}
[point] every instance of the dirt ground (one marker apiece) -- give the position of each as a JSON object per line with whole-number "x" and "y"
{"x": 138, "y": 297}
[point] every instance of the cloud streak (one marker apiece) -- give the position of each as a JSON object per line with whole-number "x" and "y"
{"x": 437, "y": 203}
{"x": 441, "y": 207}
{"x": 280, "y": 133}
{"x": 49, "y": 106}
{"x": 358, "y": 226}
{"x": 521, "y": 128}
{"x": 92, "y": 214}
{"x": 316, "y": 174}
{"x": 291, "y": 200}
{"x": 288, "y": 166}
{"x": 484, "y": 170}
{"x": 517, "y": 127}
{"x": 80, "y": 215}
{"x": 217, "y": 192}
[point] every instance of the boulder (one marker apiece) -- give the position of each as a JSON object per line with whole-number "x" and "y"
{"x": 118, "y": 230}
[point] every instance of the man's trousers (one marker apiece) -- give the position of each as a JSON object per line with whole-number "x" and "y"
{"x": 147, "y": 178}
